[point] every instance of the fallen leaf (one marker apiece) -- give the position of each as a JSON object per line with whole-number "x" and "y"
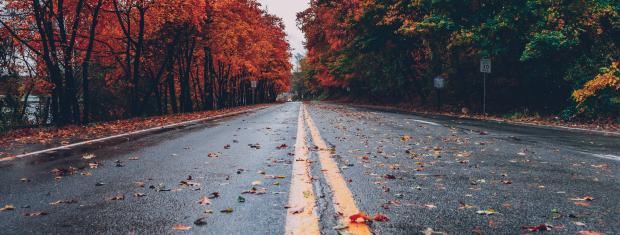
{"x": 214, "y": 195}
{"x": 227, "y": 210}
{"x": 189, "y": 183}
{"x": 579, "y": 223}
{"x": 538, "y": 228}
{"x": 35, "y": 214}
{"x": 63, "y": 202}
{"x": 181, "y": 227}
{"x": 282, "y": 146}
{"x": 388, "y": 176}
{"x": 430, "y": 231}
{"x": 204, "y": 201}
{"x": 255, "y": 183}
{"x": 405, "y": 138}
{"x": 586, "y": 232}
{"x": 119, "y": 197}
{"x": 584, "y": 204}
{"x": 139, "y": 184}
{"x": 489, "y": 211}
{"x": 297, "y": 210}
{"x": 201, "y": 221}
{"x": 463, "y": 206}
{"x": 359, "y": 218}
{"x": 88, "y": 156}
{"x": 464, "y": 154}
{"x": 380, "y": 217}
{"x": 241, "y": 199}
{"x": 139, "y": 194}
{"x": 25, "y": 180}
{"x": 7, "y": 207}
{"x": 584, "y": 198}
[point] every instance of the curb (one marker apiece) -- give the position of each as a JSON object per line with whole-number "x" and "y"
{"x": 516, "y": 123}
{"x": 144, "y": 131}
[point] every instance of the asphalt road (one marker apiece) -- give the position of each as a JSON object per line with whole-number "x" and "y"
{"x": 233, "y": 176}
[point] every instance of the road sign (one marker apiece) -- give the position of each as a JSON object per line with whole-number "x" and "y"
{"x": 439, "y": 82}
{"x": 485, "y": 66}
{"x": 254, "y": 84}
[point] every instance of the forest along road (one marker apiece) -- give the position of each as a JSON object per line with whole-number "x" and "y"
{"x": 309, "y": 168}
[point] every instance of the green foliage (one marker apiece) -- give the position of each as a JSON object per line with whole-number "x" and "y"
{"x": 541, "y": 50}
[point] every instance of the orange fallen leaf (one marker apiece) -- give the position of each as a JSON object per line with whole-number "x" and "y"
{"x": 586, "y": 232}
{"x": 584, "y": 204}
{"x": 181, "y": 227}
{"x": 7, "y": 207}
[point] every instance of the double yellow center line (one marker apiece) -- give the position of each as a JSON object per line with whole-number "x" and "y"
{"x": 301, "y": 217}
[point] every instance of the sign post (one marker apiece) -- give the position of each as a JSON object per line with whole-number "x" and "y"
{"x": 485, "y": 67}
{"x": 439, "y": 83}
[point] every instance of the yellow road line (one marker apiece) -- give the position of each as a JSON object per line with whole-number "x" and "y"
{"x": 301, "y": 217}
{"x": 343, "y": 198}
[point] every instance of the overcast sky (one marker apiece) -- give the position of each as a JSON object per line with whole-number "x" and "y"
{"x": 287, "y": 10}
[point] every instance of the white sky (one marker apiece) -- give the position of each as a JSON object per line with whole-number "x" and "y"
{"x": 287, "y": 10}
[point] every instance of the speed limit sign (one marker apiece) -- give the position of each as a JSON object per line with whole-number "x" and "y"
{"x": 485, "y": 66}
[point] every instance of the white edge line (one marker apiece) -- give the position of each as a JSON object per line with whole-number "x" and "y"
{"x": 604, "y": 156}
{"x": 426, "y": 122}
{"x": 129, "y": 134}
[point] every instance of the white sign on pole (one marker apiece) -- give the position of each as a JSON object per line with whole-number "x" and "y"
{"x": 439, "y": 82}
{"x": 485, "y": 66}
{"x": 254, "y": 84}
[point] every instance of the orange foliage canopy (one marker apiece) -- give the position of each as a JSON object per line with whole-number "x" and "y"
{"x": 150, "y": 47}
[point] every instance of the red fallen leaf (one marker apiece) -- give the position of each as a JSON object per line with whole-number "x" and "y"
{"x": 538, "y": 228}
{"x": 35, "y": 214}
{"x": 388, "y": 176}
{"x": 380, "y": 217}
{"x": 282, "y": 146}
{"x": 359, "y": 218}
{"x": 181, "y": 227}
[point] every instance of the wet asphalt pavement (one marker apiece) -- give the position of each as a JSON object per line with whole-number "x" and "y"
{"x": 425, "y": 174}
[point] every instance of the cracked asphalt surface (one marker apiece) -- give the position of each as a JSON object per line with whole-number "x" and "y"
{"x": 427, "y": 174}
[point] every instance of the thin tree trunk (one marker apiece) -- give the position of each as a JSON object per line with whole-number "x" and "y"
{"x": 86, "y": 64}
